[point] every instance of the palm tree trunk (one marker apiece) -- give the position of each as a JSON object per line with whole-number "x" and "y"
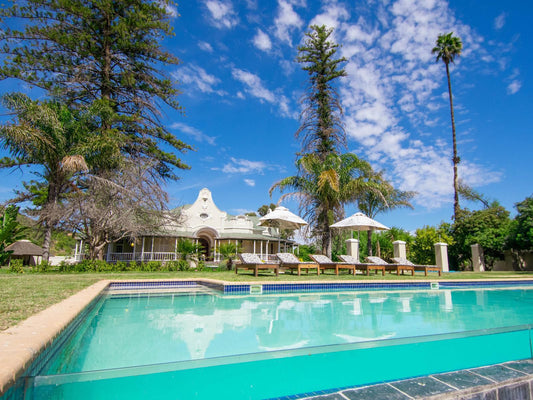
{"x": 455, "y": 159}
{"x": 369, "y": 243}
{"x": 47, "y": 242}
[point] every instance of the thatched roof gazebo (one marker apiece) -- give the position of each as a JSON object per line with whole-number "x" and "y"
{"x": 25, "y": 250}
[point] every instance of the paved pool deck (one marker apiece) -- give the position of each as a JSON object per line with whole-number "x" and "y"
{"x": 21, "y": 344}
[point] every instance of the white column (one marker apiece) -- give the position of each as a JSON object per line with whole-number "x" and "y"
{"x": 352, "y": 248}
{"x": 441, "y": 256}
{"x": 133, "y": 255}
{"x": 477, "y": 258}
{"x": 142, "y": 250}
{"x": 176, "y": 249}
{"x": 254, "y": 246}
{"x": 152, "y": 250}
{"x": 76, "y": 251}
{"x": 399, "y": 249}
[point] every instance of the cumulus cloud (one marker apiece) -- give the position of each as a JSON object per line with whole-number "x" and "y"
{"x": 221, "y": 13}
{"x": 197, "y": 77}
{"x": 198, "y": 135}
{"x": 393, "y": 83}
{"x": 249, "y": 182}
{"x": 262, "y": 41}
{"x": 286, "y": 21}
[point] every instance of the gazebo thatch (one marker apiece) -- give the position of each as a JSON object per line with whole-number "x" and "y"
{"x": 24, "y": 248}
{"x": 26, "y": 251}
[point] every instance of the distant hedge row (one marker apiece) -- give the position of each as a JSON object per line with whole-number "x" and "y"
{"x": 119, "y": 266}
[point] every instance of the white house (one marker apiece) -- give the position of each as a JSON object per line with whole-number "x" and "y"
{"x": 204, "y": 223}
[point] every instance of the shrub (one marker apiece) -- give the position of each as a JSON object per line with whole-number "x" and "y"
{"x": 44, "y": 266}
{"x": 15, "y": 266}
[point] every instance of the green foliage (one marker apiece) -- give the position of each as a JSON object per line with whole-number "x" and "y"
{"x": 44, "y": 266}
{"x": 423, "y": 246}
{"x": 488, "y": 227}
{"x": 63, "y": 244}
{"x": 521, "y": 229}
{"x": 264, "y": 209}
{"x": 10, "y": 231}
{"x": 186, "y": 248}
{"x": 229, "y": 252}
{"x": 15, "y": 267}
{"x": 303, "y": 251}
{"x": 119, "y": 45}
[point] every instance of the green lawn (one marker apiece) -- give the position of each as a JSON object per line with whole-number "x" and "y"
{"x": 22, "y": 295}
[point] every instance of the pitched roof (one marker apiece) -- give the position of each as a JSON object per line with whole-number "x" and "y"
{"x": 24, "y": 248}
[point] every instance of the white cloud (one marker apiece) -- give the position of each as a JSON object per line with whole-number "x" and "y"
{"x": 196, "y": 76}
{"x": 242, "y": 166}
{"x": 249, "y": 182}
{"x": 193, "y": 132}
{"x": 205, "y": 46}
{"x": 286, "y": 21}
{"x": 222, "y": 13}
{"x": 499, "y": 21}
{"x": 262, "y": 41}
{"x": 393, "y": 82}
{"x": 514, "y": 86}
{"x": 254, "y": 87}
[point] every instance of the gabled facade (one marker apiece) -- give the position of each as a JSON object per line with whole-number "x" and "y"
{"x": 204, "y": 223}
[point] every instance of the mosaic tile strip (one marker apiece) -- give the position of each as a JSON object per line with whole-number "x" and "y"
{"x": 151, "y": 285}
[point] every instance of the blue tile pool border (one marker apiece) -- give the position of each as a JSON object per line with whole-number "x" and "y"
{"x": 271, "y": 288}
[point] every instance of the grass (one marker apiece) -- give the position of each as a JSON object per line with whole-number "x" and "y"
{"x": 22, "y": 295}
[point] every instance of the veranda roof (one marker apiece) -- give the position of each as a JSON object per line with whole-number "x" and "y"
{"x": 25, "y": 248}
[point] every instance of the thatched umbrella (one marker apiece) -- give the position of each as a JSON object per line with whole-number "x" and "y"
{"x": 24, "y": 248}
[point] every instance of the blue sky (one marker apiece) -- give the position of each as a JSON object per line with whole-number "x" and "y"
{"x": 241, "y": 90}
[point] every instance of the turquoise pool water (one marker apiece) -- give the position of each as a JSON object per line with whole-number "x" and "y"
{"x": 200, "y": 345}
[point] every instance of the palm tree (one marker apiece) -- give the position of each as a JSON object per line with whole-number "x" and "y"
{"x": 47, "y": 135}
{"x": 323, "y": 187}
{"x": 387, "y": 198}
{"x": 447, "y": 48}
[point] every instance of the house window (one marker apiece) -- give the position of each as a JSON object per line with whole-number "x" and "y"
{"x": 204, "y": 216}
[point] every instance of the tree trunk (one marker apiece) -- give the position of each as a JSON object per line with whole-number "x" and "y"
{"x": 47, "y": 242}
{"x": 455, "y": 159}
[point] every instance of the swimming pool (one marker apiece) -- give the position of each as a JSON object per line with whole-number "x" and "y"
{"x": 198, "y": 343}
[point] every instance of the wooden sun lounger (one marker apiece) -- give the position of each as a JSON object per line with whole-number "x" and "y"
{"x": 252, "y": 262}
{"x": 392, "y": 267}
{"x": 290, "y": 261}
{"x": 363, "y": 267}
{"x": 425, "y": 268}
{"x": 325, "y": 263}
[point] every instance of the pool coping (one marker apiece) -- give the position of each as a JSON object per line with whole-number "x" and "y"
{"x": 21, "y": 344}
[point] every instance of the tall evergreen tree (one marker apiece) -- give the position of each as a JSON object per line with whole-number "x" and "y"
{"x": 321, "y": 128}
{"x": 447, "y": 48}
{"x": 322, "y": 133}
{"x": 101, "y": 51}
